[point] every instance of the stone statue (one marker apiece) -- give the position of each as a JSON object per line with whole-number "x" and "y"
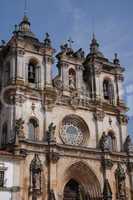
{"x": 64, "y": 47}
{"x": 120, "y": 178}
{"x": 105, "y": 142}
{"x": 51, "y": 132}
{"x": 72, "y": 81}
{"x": 36, "y": 181}
{"x": 36, "y": 169}
{"x": 128, "y": 145}
{"x": 47, "y": 41}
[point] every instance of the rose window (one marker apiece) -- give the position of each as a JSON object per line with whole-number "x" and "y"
{"x": 73, "y": 130}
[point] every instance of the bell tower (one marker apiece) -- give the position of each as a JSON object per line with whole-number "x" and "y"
{"x": 26, "y": 68}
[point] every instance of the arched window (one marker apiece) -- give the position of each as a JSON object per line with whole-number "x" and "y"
{"x": 72, "y": 79}
{"x": 108, "y": 90}
{"x": 4, "y": 135}
{"x": 112, "y": 141}
{"x": 33, "y": 125}
{"x": 31, "y": 72}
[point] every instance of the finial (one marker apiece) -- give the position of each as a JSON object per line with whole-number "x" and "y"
{"x": 70, "y": 41}
{"x": 94, "y": 44}
{"x": 93, "y": 36}
{"x": 116, "y": 56}
{"x": 116, "y": 60}
{"x": 47, "y": 41}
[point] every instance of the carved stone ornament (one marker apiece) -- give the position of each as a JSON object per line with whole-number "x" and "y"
{"x": 123, "y": 119}
{"x": 35, "y": 175}
{"x": 107, "y": 193}
{"x": 130, "y": 166}
{"x": 128, "y": 145}
{"x": 58, "y": 84}
{"x": 74, "y": 102}
{"x": 23, "y": 152}
{"x": 54, "y": 156}
{"x": 107, "y": 163}
{"x": 19, "y": 127}
{"x": 98, "y": 69}
{"x": 99, "y": 115}
{"x": 19, "y": 99}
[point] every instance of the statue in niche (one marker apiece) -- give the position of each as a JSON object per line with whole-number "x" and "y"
{"x": 72, "y": 79}
{"x": 35, "y": 171}
{"x": 120, "y": 178}
{"x": 36, "y": 180}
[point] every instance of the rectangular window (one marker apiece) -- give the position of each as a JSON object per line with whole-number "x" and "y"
{"x": 2, "y": 173}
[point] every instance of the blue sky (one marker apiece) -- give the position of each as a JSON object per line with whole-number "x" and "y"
{"x": 112, "y": 22}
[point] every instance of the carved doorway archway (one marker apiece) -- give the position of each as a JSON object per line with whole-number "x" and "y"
{"x": 73, "y": 191}
{"x": 81, "y": 183}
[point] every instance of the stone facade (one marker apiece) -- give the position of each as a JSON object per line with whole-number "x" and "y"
{"x": 69, "y": 131}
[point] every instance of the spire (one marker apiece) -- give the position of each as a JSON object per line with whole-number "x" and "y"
{"x": 25, "y": 7}
{"x": 94, "y": 48}
{"x": 24, "y": 28}
{"x": 25, "y": 23}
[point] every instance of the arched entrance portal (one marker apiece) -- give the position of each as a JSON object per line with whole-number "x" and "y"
{"x": 81, "y": 183}
{"x": 74, "y": 191}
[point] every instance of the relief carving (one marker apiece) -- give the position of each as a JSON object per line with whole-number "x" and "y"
{"x": 99, "y": 115}
{"x": 19, "y": 127}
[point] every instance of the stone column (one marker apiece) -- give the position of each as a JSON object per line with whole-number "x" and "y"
{"x": 48, "y": 60}
{"x": 20, "y": 65}
{"x": 79, "y": 77}
{"x": 12, "y": 68}
{"x": 120, "y": 91}
{"x": 64, "y": 75}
